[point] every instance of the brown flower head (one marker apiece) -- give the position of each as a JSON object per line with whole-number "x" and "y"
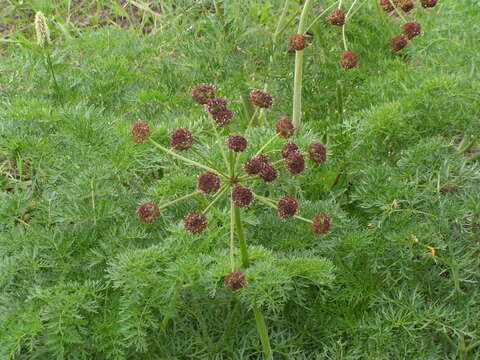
{"x": 337, "y": 17}
{"x": 203, "y": 94}
{"x": 237, "y": 143}
{"x": 287, "y": 207}
{"x": 217, "y": 104}
{"x": 242, "y": 196}
{"x": 288, "y": 148}
{"x": 261, "y": 99}
{"x": 398, "y": 42}
{"x": 285, "y": 128}
{"x": 295, "y": 163}
{"x": 348, "y": 60}
{"x": 298, "y": 42}
{"x": 268, "y": 173}
{"x": 208, "y": 182}
{"x": 235, "y": 280}
{"x": 321, "y": 224}
{"x": 429, "y": 3}
{"x": 317, "y": 152}
{"x": 407, "y": 5}
{"x": 148, "y": 212}
{"x": 195, "y": 222}
{"x": 387, "y": 6}
{"x": 140, "y": 132}
{"x": 223, "y": 117}
{"x": 412, "y": 29}
{"x": 254, "y": 164}
{"x": 181, "y": 139}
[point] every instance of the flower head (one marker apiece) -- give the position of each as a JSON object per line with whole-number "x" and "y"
{"x": 321, "y": 224}
{"x": 317, "y": 152}
{"x": 348, "y": 60}
{"x": 203, "y": 94}
{"x": 181, "y": 139}
{"x": 148, "y": 212}
{"x": 208, "y": 182}
{"x": 337, "y": 17}
{"x": 429, "y": 3}
{"x": 268, "y": 173}
{"x": 288, "y": 148}
{"x": 235, "y": 280}
{"x": 285, "y": 128}
{"x": 223, "y": 117}
{"x": 398, "y": 42}
{"x": 195, "y": 222}
{"x": 237, "y": 143}
{"x": 411, "y": 29}
{"x": 217, "y": 104}
{"x": 295, "y": 163}
{"x": 41, "y": 29}
{"x": 242, "y": 196}
{"x": 261, "y": 99}
{"x": 287, "y": 207}
{"x": 407, "y": 5}
{"x": 387, "y": 6}
{"x": 298, "y": 42}
{"x": 140, "y": 131}
{"x": 254, "y": 164}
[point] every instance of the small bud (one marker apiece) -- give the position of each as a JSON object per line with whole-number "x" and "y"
{"x": 261, "y": 99}
{"x": 195, "y": 222}
{"x": 317, "y": 152}
{"x": 407, "y": 5}
{"x": 288, "y": 148}
{"x": 429, "y": 3}
{"x": 203, "y": 94}
{"x": 285, "y": 128}
{"x": 234, "y": 281}
{"x": 140, "y": 132}
{"x": 237, "y": 143}
{"x": 298, "y": 42}
{"x": 321, "y": 224}
{"x": 42, "y": 30}
{"x": 295, "y": 163}
{"x": 268, "y": 173}
{"x": 148, "y": 212}
{"x": 242, "y": 196}
{"x": 398, "y": 42}
{"x": 287, "y": 207}
{"x": 412, "y": 29}
{"x": 348, "y": 60}
{"x": 181, "y": 139}
{"x": 337, "y": 17}
{"x": 208, "y": 182}
{"x": 254, "y": 165}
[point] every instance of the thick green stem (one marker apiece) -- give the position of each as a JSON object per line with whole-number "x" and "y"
{"x": 57, "y": 87}
{"x": 263, "y": 333}
{"x": 232, "y": 235}
{"x": 241, "y": 237}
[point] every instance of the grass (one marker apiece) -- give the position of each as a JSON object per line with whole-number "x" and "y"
{"x": 82, "y": 278}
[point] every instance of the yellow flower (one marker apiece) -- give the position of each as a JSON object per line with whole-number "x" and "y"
{"x": 432, "y": 250}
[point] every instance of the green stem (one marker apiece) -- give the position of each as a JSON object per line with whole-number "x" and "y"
{"x": 343, "y": 27}
{"x": 217, "y": 197}
{"x": 262, "y": 331}
{"x": 57, "y": 87}
{"x": 179, "y": 199}
{"x": 397, "y": 11}
{"x": 273, "y": 204}
{"x": 201, "y": 156}
{"x": 267, "y": 143}
{"x": 319, "y": 16}
{"x": 219, "y": 142}
{"x": 241, "y": 237}
{"x": 232, "y": 235}
{"x": 297, "y": 89}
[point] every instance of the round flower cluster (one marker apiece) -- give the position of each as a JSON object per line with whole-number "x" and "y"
{"x": 317, "y": 152}
{"x": 298, "y": 42}
{"x": 237, "y": 143}
{"x": 148, "y": 212}
{"x": 208, "y": 182}
{"x": 261, "y": 99}
{"x": 140, "y": 132}
{"x": 321, "y": 224}
{"x": 337, "y": 17}
{"x": 242, "y": 196}
{"x": 287, "y": 207}
{"x": 181, "y": 139}
{"x": 195, "y": 222}
{"x": 203, "y": 94}
{"x": 219, "y": 111}
{"x": 235, "y": 280}
{"x": 348, "y": 60}
{"x": 285, "y": 128}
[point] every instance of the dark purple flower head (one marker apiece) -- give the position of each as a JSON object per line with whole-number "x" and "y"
{"x": 398, "y": 42}
{"x": 285, "y": 128}
{"x": 254, "y": 164}
{"x": 237, "y": 143}
{"x": 412, "y": 29}
{"x": 261, "y": 99}
{"x": 287, "y": 207}
{"x": 242, "y": 196}
{"x": 140, "y": 132}
{"x": 321, "y": 224}
{"x": 181, "y": 139}
{"x": 148, "y": 212}
{"x": 223, "y": 117}
{"x": 407, "y": 5}
{"x": 203, "y": 94}
{"x": 295, "y": 163}
{"x": 429, "y": 3}
{"x": 317, "y": 152}
{"x": 288, "y": 148}
{"x": 195, "y": 222}
{"x": 208, "y": 182}
{"x": 337, "y": 17}
{"x": 268, "y": 173}
{"x": 387, "y": 6}
{"x": 348, "y": 60}
{"x": 217, "y": 104}
{"x": 235, "y": 280}
{"x": 298, "y": 42}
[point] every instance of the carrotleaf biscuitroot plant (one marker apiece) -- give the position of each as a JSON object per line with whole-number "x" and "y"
{"x": 236, "y": 181}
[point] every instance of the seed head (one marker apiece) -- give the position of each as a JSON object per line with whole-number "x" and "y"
{"x": 208, "y": 182}
{"x": 412, "y": 29}
{"x": 295, "y": 163}
{"x": 237, "y": 143}
{"x": 181, "y": 139}
{"x": 242, "y": 196}
{"x": 268, "y": 173}
{"x": 195, "y": 222}
{"x": 407, "y": 5}
{"x": 429, "y": 3}
{"x": 321, "y": 224}
{"x": 348, "y": 60}
{"x": 317, "y": 152}
{"x": 261, "y": 99}
{"x": 148, "y": 212}
{"x": 217, "y": 104}
{"x": 235, "y": 280}
{"x": 287, "y": 207}
{"x": 203, "y": 94}
{"x": 254, "y": 164}
{"x": 288, "y": 148}
{"x": 285, "y": 128}
{"x": 398, "y": 42}
{"x": 337, "y": 17}
{"x": 41, "y": 29}
{"x": 298, "y": 42}
{"x": 140, "y": 131}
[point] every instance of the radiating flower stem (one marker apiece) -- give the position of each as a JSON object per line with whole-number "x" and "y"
{"x": 262, "y": 332}
{"x": 397, "y": 11}
{"x": 179, "y": 199}
{"x": 241, "y": 237}
{"x": 273, "y": 204}
{"x": 217, "y": 197}
{"x": 318, "y": 17}
{"x": 343, "y": 26}
{"x": 267, "y": 143}
{"x": 201, "y": 156}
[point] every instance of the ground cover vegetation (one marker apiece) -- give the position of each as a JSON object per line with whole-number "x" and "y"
{"x": 357, "y": 238}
